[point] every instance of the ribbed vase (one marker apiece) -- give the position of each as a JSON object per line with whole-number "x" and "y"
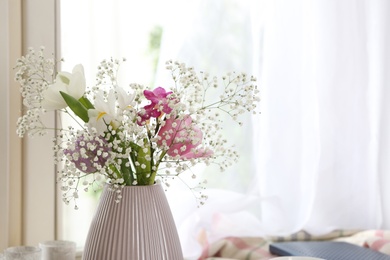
{"x": 140, "y": 226}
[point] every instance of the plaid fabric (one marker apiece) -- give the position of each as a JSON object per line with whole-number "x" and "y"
{"x": 237, "y": 248}
{"x": 378, "y": 240}
{"x": 256, "y": 248}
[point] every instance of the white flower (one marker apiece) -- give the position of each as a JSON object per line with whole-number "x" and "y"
{"x": 109, "y": 109}
{"x": 101, "y": 116}
{"x": 124, "y": 100}
{"x": 72, "y": 84}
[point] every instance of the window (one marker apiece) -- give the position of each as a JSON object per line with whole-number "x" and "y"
{"x": 97, "y": 30}
{"x": 101, "y": 30}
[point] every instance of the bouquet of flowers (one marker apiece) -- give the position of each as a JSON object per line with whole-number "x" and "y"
{"x": 130, "y": 135}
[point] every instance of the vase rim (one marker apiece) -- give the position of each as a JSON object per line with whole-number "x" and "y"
{"x": 135, "y": 186}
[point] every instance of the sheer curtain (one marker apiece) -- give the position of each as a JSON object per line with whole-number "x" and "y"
{"x": 324, "y": 128}
{"x": 318, "y": 156}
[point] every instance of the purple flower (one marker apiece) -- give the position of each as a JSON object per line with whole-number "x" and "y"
{"x": 88, "y": 153}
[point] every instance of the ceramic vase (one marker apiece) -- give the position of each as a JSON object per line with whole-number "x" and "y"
{"x": 139, "y": 226}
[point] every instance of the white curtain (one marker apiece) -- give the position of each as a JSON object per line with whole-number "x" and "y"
{"x": 324, "y": 150}
{"x": 319, "y": 155}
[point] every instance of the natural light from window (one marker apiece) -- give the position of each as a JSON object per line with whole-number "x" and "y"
{"x": 95, "y": 30}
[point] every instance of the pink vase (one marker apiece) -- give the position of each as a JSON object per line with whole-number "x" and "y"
{"x": 140, "y": 226}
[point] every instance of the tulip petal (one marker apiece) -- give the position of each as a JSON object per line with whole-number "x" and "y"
{"x": 52, "y": 99}
{"x": 77, "y": 84}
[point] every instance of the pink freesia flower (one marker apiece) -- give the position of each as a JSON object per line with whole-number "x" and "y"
{"x": 159, "y": 97}
{"x": 147, "y": 112}
{"x": 182, "y": 137}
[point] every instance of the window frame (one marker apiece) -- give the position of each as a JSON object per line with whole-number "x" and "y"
{"x": 39, "y": 207}
{"x": 10, "y": 144}
{"x": 27, "y": 179}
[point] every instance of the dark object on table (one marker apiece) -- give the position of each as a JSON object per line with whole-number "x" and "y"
{"x": 329, "y": 250}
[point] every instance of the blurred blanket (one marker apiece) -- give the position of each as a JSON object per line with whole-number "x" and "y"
{"x": 257, "y": 248}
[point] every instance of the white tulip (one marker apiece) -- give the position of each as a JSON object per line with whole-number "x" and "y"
{"x": 72, "y": 84}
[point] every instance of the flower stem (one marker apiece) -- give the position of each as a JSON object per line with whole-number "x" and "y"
{"x": 127, "y": 173}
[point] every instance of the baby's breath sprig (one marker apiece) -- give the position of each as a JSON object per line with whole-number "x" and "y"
{"x": 107, "y": 72}
{"x": 239, "y": 92}
{"x": 34, "y": 73}
{"x": 238, "y": 95}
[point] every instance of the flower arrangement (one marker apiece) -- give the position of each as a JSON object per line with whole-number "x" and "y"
{"x": 130, "y": 135}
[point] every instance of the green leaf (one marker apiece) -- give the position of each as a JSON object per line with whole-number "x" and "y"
{"x": 142, "y": 173}
{"x": 141, "y": 158}
{"x": 86, "y": 103}
{"x": 127, "y": 173}
{"x": 134, "y": 146}
{"x": 76, "y": 106}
